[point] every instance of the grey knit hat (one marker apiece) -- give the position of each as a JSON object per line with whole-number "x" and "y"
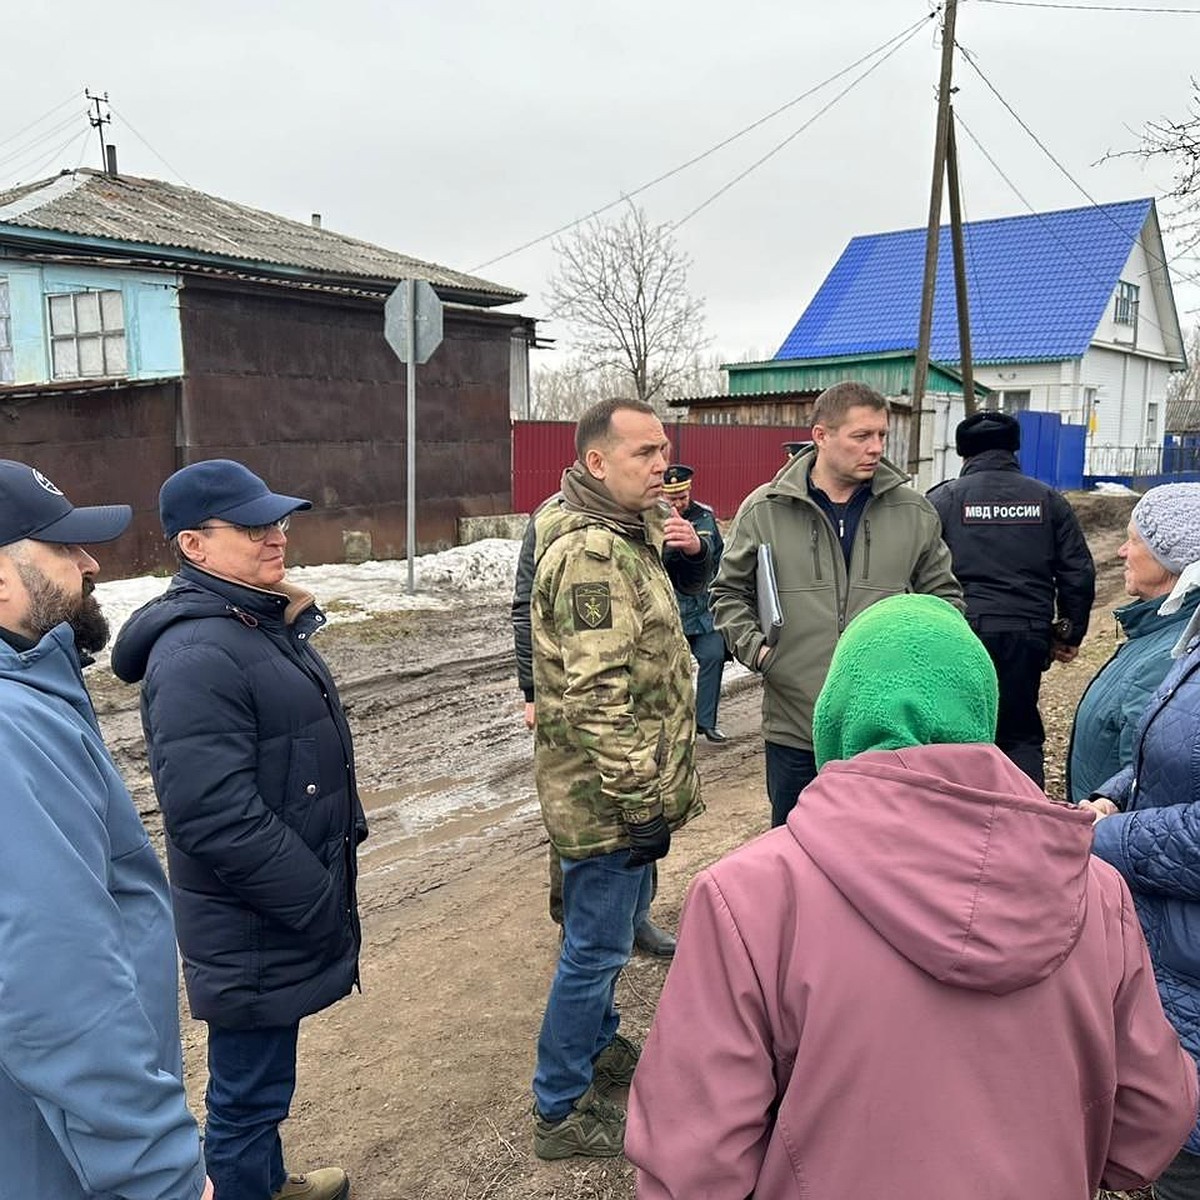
{"x": 1167, "y": 519}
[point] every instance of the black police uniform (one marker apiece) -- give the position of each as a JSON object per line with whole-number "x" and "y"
{"x": 1017, "y": 550}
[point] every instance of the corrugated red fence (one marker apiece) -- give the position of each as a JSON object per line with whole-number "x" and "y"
{"x": 730, "y": 460}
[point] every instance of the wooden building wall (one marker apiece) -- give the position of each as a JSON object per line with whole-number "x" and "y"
{"x": 306, "y": 392}
{"x": 114, "y": 446}
{"x": 303, "y": 389}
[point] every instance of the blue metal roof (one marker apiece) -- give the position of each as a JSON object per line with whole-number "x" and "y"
{"x": 1038, "y": 286}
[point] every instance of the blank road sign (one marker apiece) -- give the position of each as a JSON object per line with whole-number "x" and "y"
{"x": 428, "y": 324}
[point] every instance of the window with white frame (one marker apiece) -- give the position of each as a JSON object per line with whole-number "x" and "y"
{"x": 6, "y": 347}
{"x": 1125, "y": 310}
{"x": 1152, "y": 423}
{"x": 87, "y": 335}
{"x": 1014, "y": 402}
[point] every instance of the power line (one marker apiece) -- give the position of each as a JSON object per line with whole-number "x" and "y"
{"x": 129, "y": 124}
{"x": 970, "y": 60}
{"x": 903, "y": 34}
{"x": 1087, "y": 266}
{"x": 32, "y": 145}
{"x": 76, "y": 139}
{"x": 1123, "y": 8}
{"x": 49, "y": 113}
{"x": 796, "y": 133}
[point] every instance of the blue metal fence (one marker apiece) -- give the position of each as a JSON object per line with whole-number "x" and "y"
{"x": 1051, "y": 450}
{"x": 1142, "y": 467}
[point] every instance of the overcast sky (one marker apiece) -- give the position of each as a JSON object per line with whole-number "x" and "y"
{"x": 456, "y": 130}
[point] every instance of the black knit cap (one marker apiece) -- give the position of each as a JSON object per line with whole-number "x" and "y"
{"x": 987, "y": 431}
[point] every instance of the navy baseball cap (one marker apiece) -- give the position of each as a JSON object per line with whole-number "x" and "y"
{"x": 32, "y": 507}
{"x": 221, "y": 488}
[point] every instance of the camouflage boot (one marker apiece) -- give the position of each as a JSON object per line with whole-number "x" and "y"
{"x": 614, "y": 1065}
{"x": 594, "y": 1128}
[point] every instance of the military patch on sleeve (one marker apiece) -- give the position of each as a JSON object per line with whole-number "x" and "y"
{"x": 592, "y": 605}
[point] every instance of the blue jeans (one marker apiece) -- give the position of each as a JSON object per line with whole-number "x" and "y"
{"x": 709, "y": 652}
{"x": 603, "y": 902}
{"x": 789, "y": 772}
{"x": 251, "y": 1078}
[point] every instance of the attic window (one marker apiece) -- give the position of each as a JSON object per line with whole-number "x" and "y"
{"x": 1126, "y": 310}
{"x": 87, "y": 335}
{"x": 6, "y": 351}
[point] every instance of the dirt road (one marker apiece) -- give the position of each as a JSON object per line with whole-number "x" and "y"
{"x": 420, "y": 1085}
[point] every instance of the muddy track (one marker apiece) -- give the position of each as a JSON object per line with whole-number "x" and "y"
{"x": 445, "y": 763}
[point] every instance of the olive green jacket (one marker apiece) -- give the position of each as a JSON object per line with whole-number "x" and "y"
{"x": 615, "y": 736}
{"x": 898, "y": 548}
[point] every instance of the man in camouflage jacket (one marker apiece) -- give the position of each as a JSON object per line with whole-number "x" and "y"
{"x": 614, "y": 745}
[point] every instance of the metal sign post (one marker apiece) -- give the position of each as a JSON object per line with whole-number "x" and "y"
{"x": 410, "y": 440}
{"x": 412, "y": 325}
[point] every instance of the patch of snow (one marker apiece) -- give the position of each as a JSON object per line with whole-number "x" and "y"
{"x": 360, "y": 591}
{"x": 1108, "y": 488}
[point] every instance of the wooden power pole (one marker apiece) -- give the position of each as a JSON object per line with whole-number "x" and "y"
{"x": 961, "y": 296}
{"x": 98, "y": 122}
{"x": 925, "y": 331}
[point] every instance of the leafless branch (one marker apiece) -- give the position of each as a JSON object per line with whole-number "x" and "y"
{"x": 621, "y": 287}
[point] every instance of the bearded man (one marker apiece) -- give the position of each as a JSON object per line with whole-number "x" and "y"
{"x": 91, "y": 1093}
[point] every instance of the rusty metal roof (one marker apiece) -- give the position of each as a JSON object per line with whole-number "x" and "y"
{"x": 72, "y": 387}
{"x": 1183, "y": 414}
{"x": 151, "y": 214}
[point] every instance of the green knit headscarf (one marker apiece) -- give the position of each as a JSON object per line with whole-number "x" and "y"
{"x": 908, "y": 671}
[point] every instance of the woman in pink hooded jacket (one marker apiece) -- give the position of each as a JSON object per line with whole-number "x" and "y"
{"x": 924, "y": 985}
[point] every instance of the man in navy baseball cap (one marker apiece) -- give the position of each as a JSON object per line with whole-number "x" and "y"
{"x": 91, "y": 1094}
{"x": 223, "y": 489}
{"x": 32, "y": 507}
{"x": 253, "y": 763}
{"x": 46, "y": 576}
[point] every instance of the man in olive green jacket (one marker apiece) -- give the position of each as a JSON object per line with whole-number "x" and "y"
{"x": 845, "y": 530}
{"x": 613, "y": 749}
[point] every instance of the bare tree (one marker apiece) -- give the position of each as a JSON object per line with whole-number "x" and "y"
{"x": 621, "y": 287}
{"x": 562, "y": 392}
{"x": 1183, "y": 391}
{"x": 1179, "y": 143}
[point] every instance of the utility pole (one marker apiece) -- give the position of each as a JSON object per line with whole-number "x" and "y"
{"x": 925, "y": 331}
{"x": 962, "y": 302}
{"x": 98, "y": 122}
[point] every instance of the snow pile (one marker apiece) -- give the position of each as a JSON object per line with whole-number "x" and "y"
{"x": 489, "y": 565}
{"x": 357, "y": 592}
{"x": 1108, "y": 488}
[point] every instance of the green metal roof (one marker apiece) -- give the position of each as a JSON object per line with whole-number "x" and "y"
{"x": 890, "y": 373}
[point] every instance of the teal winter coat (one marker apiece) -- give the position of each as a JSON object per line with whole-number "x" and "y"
{"x": 1106, "y": 720}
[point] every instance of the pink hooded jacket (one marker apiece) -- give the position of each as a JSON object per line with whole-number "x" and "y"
{"x": 923, "y": 986}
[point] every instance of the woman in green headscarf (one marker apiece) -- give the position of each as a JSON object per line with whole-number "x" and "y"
{"x": 922, "y": 985}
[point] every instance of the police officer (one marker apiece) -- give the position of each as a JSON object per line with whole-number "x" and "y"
{"x": 1020, "y": 555}
{"x": 707, "y": 646}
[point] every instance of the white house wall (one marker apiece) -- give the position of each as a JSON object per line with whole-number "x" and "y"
{"x": 1118, "y": 389}
{"x": 1147, "y": 335}
{"x": 1043, "y": 382}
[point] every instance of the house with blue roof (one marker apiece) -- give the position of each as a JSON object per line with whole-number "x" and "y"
{"x": 1071, "y": 312}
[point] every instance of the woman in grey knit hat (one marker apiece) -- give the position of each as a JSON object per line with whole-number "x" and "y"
{"x": 1162, "y": 540}
{"x": 1148, "y": 816}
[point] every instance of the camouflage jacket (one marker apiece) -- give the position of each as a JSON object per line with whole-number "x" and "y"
{"x": 615, "y": 736}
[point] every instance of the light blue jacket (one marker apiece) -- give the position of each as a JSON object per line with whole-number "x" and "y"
{"x": 91, "y": 1100}
{"x": 1107, "y": 718}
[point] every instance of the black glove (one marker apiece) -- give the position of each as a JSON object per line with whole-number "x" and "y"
{"x": 648, "y": 841}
